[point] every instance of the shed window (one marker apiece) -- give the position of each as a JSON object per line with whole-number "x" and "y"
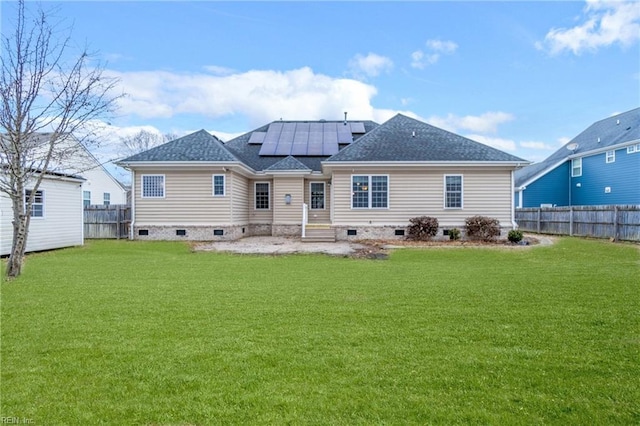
{"x": 37, "y": 208}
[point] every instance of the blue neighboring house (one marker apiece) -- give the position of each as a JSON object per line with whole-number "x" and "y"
{"x": 600, "y": 166}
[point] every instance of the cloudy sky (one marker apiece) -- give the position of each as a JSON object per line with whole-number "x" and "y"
{"x": 524, "y": 77}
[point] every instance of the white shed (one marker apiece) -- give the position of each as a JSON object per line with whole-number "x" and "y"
{"x": 57, "y": 217}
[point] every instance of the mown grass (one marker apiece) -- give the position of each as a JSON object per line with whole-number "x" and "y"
{"x": 151, "y": 333}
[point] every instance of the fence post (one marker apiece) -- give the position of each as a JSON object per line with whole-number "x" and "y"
{"x": 539, "y": 216}
{"x": 570, "y": 221}
{"x": 616, "y": 223}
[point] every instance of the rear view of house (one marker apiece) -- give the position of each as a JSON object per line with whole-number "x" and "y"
{"x": 354, "y": 179}
{"x": 600, "y": 166}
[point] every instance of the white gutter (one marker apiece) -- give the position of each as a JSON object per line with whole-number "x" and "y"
{"x": 133, "y": 203}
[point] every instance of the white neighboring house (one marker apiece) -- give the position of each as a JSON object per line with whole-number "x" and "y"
{"x": 56, "y": 216}
{"x": 99, "y": 187}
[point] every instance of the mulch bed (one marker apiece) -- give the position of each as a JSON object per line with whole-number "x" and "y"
{"x": 379, "y": 249}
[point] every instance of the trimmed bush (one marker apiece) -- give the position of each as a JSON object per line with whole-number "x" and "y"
{"x": 454, "y": 234}
{"x": 482, "y": 228}
{"x": 515, "y": 236}
{"x": 422, "y": 228}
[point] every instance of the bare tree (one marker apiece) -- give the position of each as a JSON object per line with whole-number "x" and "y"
{"x": 144, "y": 140}
{"x": 43, "y": 93}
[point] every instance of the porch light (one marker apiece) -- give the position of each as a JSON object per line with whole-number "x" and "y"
{"x": 287, "y": 199}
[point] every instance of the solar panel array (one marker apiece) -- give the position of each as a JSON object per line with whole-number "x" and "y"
{"x": 305, "y": 139}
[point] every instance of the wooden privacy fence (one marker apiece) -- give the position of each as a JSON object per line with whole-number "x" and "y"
{"x": 107, "y": 221}
{"x": 619, "y": 222}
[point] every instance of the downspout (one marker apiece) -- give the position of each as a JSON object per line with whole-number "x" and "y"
{"x": 514, "y": 225}
{"x": 133, "y": 204}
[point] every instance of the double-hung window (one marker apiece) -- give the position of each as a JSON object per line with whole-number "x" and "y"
{"x": 106, "y": 198}
{"x": 453, "y": 191}
{"x": 86, "y": 198}
{"x": 262, "y": 195}
{"x": 316, "y": 190}
{"x": 369, "y": 191}
{"x": 576, "y": 167}
{"x": 611, "y": 156}
{"x": 37, "y": 208}
{"x": 152, "y": 186}
{"x": 218, "y": 185}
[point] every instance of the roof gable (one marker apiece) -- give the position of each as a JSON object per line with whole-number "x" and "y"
{"x": 198, "y": 146}
{"x": 288, "y": 163}
{"x": 407, "y": 139}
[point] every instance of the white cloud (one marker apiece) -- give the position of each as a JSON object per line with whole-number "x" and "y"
{"x": 499, "y": 143}
{"x": 435, "y": 48}
{"x": 218, "y": 70}
{"x": 260, "y": 95}
{"x": 484, "y": 123}
{"x": 371, "y": 65}
{"x": 605, "y": 23}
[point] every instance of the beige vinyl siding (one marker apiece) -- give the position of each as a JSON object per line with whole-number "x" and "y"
{"x": 240, "y": 200}
{"x": 287, "y": 214}
{"x": 421, "y": 192}
{"x": 62, "y": 224}
{"x": 260, "y": 216}
{"x": 318, "y": 215}
{"x": 188, "y": 199}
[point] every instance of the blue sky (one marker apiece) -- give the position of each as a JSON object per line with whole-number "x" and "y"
{"x": 524, "y": 77}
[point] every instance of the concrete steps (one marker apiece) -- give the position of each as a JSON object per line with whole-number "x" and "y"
{"x": 317, "y": 233}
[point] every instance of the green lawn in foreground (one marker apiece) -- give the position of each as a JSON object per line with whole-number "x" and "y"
{"x": 121, "y": 332}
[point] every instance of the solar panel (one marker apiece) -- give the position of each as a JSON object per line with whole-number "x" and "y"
{"x": 271, "y": 139}
{"x": 285, "y": 144}
{"x": 344, "y": 134}
{"x": 257, "y": 137}
{"x": 312, "y": 139}
{"x": 300, "y": 139}
{"x": 357, "y": 127}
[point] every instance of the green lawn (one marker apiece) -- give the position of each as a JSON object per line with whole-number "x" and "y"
{"x": 121, "y": 332}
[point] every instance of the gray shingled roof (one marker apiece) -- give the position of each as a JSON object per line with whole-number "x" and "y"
{"x": 288, "y": 163}
{"x": 602, "y": 134}
{"x": 406, "y": 139}
{"x": 198, "y": 146}
{"x": 249, "y": 153}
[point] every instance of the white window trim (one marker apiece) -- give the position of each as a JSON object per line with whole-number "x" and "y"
{"x": 610, "y": 157}
{"x": 255, "y": 192}
{"x": 164, "y": 186}
{"x": 35, "y": 204}
{"x": 574, "y": 165}
{"x": 369, "y": 192}
{"x": 213, "y": 186}
{"x": 86, "y": 199}
{"x": 633, "y": 148}
{"x": 444, "y": 193}
{"x": 324, "y": 194}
